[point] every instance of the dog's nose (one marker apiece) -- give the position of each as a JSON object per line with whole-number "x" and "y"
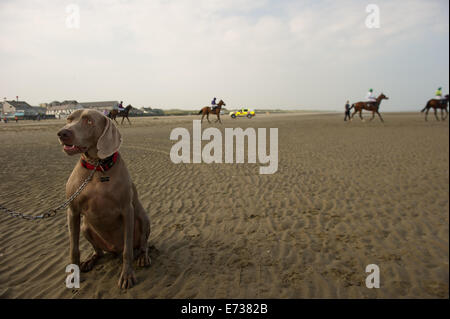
{"x": 65, "y": 134}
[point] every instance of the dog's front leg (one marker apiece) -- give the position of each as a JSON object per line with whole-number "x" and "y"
{"x": 127, "y": 278}
{"x": 73, "y": 219}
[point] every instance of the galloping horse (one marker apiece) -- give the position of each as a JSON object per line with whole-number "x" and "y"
{"x": 437, "y": 104}
{"x": 114, "y": 113}
{"x": 207, "y": 110}
{"x": 369, "y": 106}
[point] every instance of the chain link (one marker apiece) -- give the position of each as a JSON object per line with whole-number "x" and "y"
{"x": 51, "y": 212}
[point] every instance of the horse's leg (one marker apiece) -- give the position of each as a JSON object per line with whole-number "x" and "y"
{"x": 218, "y": 116}
{"x": 128, "y": 120}
{"x": 207, "y": 117}
{"x": 203, "y": 116}
{"x": 360, "y": 115}
{"x": 426, "y": 114}
{"x": 373, "y": 116}
{"x": 354, "y": 112}
{"x": 435, "y": 114}
{"x": 442, "y": 114}
{"x": 123, "y": 118}
{"x": 446, "y": 114}
{"x": 380, "y": 116}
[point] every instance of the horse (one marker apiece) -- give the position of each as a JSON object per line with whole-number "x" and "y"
{"x": 114, "y": 113}
{"x": 437, "y": 104}
{"x": 369, "y": 106}
{"x": 207, "y": 110}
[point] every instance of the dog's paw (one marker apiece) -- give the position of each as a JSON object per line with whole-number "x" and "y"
{"x": 144, "y": 260}
{"x": 89, "y": 263}
{"x": 127, "y": 279}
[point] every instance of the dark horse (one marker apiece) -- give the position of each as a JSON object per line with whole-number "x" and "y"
{"x": 369, "y": 106}
{"x": 437, "y": 104}
{"x": 114, "y": 113}
{"x": 207, "y": 110}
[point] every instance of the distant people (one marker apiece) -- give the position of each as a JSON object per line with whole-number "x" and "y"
{"x": 438, "y": 95}
{"x": 370, "y": 96}
{"x": 5, "y": 120}
{"x": 105, "y": 112}
{"x": 16, "y": 119}
{"x": 347, "y": 111}
{"x": 213, "y": 104}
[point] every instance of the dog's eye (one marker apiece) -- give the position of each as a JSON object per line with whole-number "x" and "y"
{"x": 88, "y": 121}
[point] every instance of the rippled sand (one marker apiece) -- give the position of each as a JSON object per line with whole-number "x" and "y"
{"x": 345, "y": 195}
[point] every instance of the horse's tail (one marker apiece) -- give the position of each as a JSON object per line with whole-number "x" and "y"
{"x": 353, "y": 105}
{"x": 200, "y": 111}
{"x": 426, "y": 106}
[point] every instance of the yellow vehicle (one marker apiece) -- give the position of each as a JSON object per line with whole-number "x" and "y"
{"x": 242, "y": 112}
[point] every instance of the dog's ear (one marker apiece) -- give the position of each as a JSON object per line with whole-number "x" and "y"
{"x": 110, "y": 140}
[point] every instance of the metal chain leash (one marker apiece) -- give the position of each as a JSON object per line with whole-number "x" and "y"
{"x": 52, "y": 212}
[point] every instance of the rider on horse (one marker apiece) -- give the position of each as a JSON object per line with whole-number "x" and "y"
{"x": 121, "y": 106}
{"x": 213, "y": 104}
{"x": 438, "y": 94}
{"x": 370, "y": 96}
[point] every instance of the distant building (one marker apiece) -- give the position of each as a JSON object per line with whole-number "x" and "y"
{"x": 40, "y": 110}
{"x": 101, "y": 106}
{"x": 62, "y": 111}
{"x": 66, "y": 107}
{"x": 69, "y": 102}
{"x": 54, "y": 103}
{"x": 18, "y": 108}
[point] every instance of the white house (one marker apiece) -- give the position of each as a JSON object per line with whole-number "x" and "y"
{"x": 62, "y": 110}
{"x": 22, "y": 108}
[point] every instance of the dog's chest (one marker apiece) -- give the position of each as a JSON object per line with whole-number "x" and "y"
{"x": 103, "y": 187}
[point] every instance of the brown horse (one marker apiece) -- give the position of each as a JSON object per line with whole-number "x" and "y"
{"x": 207, "y": 110}
{"x": 437, "y": 104}
{"x": 114, "y": 113}
{"x": 369, "y": 106}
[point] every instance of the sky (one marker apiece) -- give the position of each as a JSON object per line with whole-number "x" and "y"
{"x": 289, "y": 54}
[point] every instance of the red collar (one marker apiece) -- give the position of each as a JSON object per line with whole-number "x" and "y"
{"x": 105, "y": 164}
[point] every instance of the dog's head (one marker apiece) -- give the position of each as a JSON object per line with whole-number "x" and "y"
{"x": 92, "y": 132}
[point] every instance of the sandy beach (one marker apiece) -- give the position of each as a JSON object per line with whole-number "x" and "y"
{"x": 345, "y": 195}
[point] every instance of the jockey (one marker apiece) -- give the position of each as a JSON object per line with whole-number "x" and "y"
{"x": 438, "y": 94}
{"x": 213, "y": 104}
{"x": 370, "y": 96}
{"x": 121, "y": 106}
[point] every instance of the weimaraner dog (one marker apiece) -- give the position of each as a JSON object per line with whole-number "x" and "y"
{"x": 113, "y": 217}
